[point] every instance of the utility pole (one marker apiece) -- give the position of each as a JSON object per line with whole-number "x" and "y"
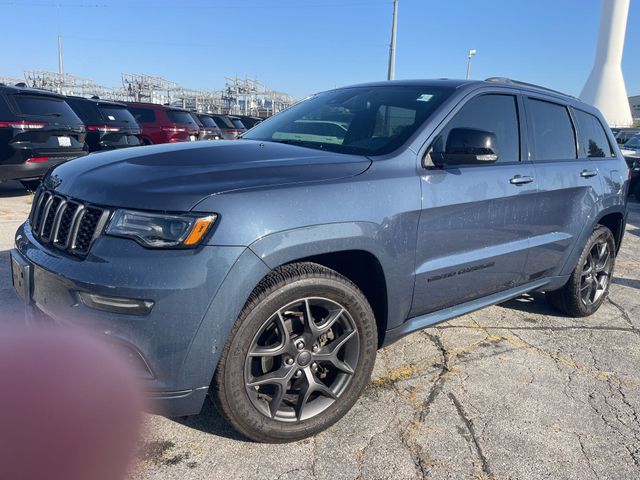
{"x": 472, "y": 53}
{"x": 391, "y": 73}
{"x": 60, "y": 64}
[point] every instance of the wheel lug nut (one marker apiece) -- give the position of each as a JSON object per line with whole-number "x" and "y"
{"x": 315, "y": 348}
{"x": 299, "y": 344}
{"x": 298, "y": 373}
{"x": 289, "y": 361}
{"x": 314, "y": 366}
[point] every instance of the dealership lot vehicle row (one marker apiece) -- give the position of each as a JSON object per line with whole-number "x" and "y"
{"x": 513, "y": 391}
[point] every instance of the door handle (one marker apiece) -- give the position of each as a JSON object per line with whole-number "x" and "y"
{"x": 588, "y": 173}
{"x": 520, "y": 180}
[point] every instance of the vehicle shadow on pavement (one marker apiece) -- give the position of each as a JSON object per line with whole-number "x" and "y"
{"x": 12, "y": 189}
{"x": 626, "y": 282}
{"x": 531, "y": 303}
{"x": 210, "y": 421}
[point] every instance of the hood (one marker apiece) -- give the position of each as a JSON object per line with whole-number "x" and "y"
{"x": 175, "y": 177}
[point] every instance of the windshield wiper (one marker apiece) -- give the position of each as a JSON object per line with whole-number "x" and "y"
{"x": 301, "y": 143}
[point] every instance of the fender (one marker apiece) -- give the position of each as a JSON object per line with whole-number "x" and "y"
{"x": 578, "y": 246}
{"x": 397, "y": 265}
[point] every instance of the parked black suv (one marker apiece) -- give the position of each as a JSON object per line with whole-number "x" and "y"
{"x": 37, "y": 130}
{"x": 208, "y": 128}
{"x": 109, "y": 124}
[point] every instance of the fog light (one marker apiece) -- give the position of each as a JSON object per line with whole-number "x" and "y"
{"x": 128, "y": 306}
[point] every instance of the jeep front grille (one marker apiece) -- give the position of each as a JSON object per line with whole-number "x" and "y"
{"x": 65, "y": 223}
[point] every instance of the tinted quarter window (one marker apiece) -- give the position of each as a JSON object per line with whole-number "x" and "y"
{"x": 45, "y": 107}
{"x": 592, "y": 138}
{"x": 497, "y": 114}
{"x": 143, "y": 115}
{"x": 551, "y": 131}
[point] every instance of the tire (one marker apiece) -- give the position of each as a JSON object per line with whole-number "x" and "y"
{"x": 274, "y": 319}
{"x": 30, "y": 185}
{"x": 594, "y": 269}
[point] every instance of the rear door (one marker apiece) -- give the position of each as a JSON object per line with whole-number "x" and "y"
{"x": 569, "y": 186}
{"x": 474, "y": 226}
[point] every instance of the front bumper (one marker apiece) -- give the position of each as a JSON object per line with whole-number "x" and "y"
{"x": 196, "y": 294}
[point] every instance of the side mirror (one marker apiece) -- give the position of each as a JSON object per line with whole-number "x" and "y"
{"x": 468, "y": 146}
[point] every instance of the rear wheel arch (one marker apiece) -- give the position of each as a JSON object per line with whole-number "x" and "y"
{"x": 615, "y": 222}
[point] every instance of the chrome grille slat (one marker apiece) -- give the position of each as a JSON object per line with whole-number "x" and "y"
{"x": 67, "y": 224}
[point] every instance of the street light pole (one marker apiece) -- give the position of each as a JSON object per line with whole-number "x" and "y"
{"x": 391, "y": 72}
{"x": 472, "y": 53}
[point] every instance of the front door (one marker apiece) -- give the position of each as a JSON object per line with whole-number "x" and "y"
{"x": 474, "y": 228}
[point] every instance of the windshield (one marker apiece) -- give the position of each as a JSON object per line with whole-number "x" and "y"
{"x": 359, "y": 120}
{"x": 633, "y": 143}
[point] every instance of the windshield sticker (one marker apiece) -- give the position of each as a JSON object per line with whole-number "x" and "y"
{"x": 425, "y": 97}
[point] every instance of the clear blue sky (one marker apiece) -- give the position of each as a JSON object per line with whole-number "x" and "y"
{"x": 303, "y": 46}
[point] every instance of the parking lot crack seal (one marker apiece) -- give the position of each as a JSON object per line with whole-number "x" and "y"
{"x": 472, "y": 437}
{"x": 438, "y": 385}
{"x": 625, "y": 315}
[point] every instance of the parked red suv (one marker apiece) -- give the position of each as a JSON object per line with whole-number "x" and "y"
{"x": 164, "y": 124}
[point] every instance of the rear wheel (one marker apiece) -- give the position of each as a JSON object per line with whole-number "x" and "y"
{"x": 299, "y": 356}
{"x": 589, "y": 283}
{"x": 30, "y": 185}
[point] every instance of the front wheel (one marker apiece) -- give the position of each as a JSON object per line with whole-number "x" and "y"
{"x": 299, "y": 355}
{"x": 589, "y": 283}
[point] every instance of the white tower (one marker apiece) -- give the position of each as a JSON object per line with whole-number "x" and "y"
{"x": 605, "y": 86}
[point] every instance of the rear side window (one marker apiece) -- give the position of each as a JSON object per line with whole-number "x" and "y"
{"x": 43, "y": 106}
{"x": 114, "y": 113}
{"x": 143, "y": 115}
{"x": 551, "y": 131}
{"x": 178, "y": 116}
{"x": 493, "y": 113}
{"x": 592, "y": 138}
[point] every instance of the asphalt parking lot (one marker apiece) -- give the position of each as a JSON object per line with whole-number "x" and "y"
{"x": 510, "y": 392}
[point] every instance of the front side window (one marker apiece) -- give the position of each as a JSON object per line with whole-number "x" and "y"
{"x": 592, "y": 137}
{"x": 634, "y": 142}
{"x": 551, "y": 131}
{"x": 359, "y": 120}
{"x": 493, "y": 113}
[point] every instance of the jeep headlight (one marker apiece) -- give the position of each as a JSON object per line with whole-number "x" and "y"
{"x": 158, "y": 230}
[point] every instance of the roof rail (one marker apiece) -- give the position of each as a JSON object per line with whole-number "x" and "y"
{"x": 524, "y": 84}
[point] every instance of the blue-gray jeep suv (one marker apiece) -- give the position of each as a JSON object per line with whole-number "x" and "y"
{"x": 268, "y": 271}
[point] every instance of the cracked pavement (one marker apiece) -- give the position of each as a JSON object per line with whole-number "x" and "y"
{"x": 514, "y": 391}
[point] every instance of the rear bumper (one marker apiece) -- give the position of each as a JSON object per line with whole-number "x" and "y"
{"x": 28, "y": 171}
